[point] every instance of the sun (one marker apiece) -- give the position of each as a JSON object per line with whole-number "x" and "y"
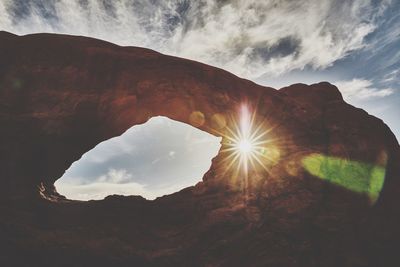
{"x": 246, "y": 144}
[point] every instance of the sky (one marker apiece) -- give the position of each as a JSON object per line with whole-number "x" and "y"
{"x": 352, "y": 44}
{"x": 153, "y": 159}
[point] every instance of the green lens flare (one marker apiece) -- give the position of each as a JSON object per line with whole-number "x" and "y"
{"x": 356, "y": 176}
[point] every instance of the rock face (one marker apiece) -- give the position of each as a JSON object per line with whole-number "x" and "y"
{"x": 318, "y": 203}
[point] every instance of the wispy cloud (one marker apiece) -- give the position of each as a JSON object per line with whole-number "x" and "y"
{"x": 249, "y": 38}
{"x": 391, "y": 76}
{"x": 360, "y": 89}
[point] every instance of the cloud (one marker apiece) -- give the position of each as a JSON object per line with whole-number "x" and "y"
{"x": 391, "y": 76}
{"x": 116, "y": 182}
{"x": 99, "y": 190}
{"x": 249, "y": 38}
{"x": 4, "y": 17}
{"x": 360, "y": 89}
{"x": 116, "y": 177}
{"x": 159, "y": 157}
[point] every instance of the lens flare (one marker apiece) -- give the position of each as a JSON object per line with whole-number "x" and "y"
{"x": 246, "y": 144}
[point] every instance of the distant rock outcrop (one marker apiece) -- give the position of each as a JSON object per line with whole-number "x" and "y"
{"x": 328, "y": 197}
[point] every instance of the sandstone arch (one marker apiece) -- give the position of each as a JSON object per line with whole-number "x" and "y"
{"x": 62, "y": 95}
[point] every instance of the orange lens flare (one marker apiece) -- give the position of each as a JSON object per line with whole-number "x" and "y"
{"x": 246, "y": 144}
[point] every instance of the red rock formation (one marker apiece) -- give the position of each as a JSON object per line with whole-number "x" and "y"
{"x": 62, "y": 95}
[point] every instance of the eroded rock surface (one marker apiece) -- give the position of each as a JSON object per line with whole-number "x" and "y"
{"x": 62, "y": 95}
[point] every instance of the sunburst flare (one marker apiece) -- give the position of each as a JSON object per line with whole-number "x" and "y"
{"x": 247, "y": 145}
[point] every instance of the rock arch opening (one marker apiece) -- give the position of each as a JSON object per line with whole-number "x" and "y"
{"x": 157, "y": 158}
